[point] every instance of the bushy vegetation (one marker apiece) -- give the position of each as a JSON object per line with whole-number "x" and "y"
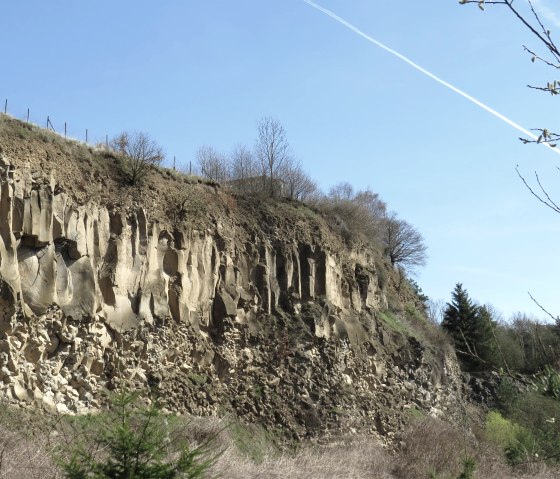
{"x": 271, "y": 169}
{"x": 525, "y": 426}
{"x": 528, "y": 345}
{"x": 523, "y": 352}
{"x": 484, "y": 341}
{"x": 513, "y": 439}
{"x": 363, "y": 216}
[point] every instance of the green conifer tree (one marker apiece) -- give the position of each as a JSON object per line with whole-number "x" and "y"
{"x": 470, "y": 326}
{"x": 131, "y": 443}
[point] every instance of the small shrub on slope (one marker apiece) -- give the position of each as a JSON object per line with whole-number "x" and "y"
{"x": 132, "y": 443}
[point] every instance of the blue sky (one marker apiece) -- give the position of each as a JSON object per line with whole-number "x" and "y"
{"x": 197, "y": 73}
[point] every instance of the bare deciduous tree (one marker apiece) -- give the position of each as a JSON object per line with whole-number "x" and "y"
{"x": 404, "y": 245}
{"x": 342, "y": 191}
{"x": 272, "y": 149}
{"x": 298, "y": 183}
{"x": 140, "y": 153}
{"x": 245, "y": 170}
{"x": 212, "y": 164}
{"x": 435, "y": 309}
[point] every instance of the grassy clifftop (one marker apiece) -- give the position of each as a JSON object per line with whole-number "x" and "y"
{"x": 94, "y": 173}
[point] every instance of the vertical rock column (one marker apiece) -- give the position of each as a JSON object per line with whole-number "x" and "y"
{"x": 10, "y": 283}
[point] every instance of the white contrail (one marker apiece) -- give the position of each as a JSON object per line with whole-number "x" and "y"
{"x": 505, "y": 119}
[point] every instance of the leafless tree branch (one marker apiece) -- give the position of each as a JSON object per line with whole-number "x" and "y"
{"x": 548, "y": 202}
{"x": 554, "y": 318}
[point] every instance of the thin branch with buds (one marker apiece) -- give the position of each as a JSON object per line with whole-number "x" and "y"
{"x": 546, "y": 200}
{"x": 554, "y": 318}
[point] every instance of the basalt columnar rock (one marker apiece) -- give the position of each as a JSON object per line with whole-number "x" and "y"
{"x": 245, "y": 307}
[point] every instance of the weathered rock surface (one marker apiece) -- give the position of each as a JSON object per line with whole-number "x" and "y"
{"x": 273, "y": 328}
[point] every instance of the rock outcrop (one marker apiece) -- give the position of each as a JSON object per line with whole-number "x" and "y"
{"x": 280, "y": 328}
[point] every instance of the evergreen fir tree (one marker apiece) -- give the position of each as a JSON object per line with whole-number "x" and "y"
{"x": 470, "y": 327}
{"x": 132, "y": 443}
{"x": 484, "y": 339}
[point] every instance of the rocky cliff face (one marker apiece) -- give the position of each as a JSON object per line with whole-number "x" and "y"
{"x": 276, "y": 324}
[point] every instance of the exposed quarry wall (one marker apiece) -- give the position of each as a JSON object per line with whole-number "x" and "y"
{"x": 275, "y": 330}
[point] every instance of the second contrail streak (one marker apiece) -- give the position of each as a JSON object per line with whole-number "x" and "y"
{"x": 497, "y": 114}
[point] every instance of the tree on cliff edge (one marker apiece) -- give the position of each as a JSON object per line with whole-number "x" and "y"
{"x": 272, "y": 150}
{"x": 404, "y": 245}
{"x": 212, "y": 164}
{"x": 140, "y": 153}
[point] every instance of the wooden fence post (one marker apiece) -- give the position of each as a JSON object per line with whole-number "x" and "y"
{"x": 28, "y": 115}
{"x": 6, "y": 106}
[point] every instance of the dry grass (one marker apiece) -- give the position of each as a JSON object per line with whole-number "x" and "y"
{"x": 361, "y": 459}
{"x": 433, "y": 448}
{"x": 430, "y": 448}
{"x": 27, "y": 460}
{"x": 26, "y": 447}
